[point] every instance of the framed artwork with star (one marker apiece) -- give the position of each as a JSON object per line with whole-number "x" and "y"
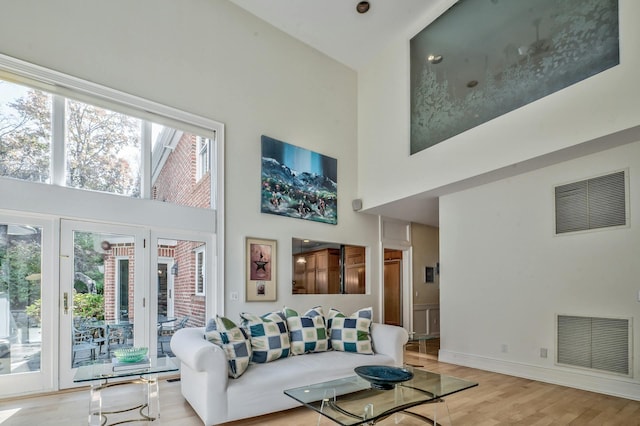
{"x": 261, "y": 270}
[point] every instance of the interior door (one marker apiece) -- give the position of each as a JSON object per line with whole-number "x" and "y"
{"x": 103, "y": 293}
{"x": 392, "y": 287}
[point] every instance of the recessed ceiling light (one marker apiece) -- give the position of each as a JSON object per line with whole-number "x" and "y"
{"x": 363, "y": 7}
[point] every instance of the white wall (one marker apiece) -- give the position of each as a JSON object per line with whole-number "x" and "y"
{"x": 211, "y": 58}
{"x": 598, "y": 106}
{"x": 505, "y": 275}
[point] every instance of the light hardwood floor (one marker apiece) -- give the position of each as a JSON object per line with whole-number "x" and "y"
{"x": 498, "y": 400}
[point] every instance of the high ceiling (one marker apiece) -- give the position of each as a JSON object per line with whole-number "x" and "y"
{"x": 335, "y": 28}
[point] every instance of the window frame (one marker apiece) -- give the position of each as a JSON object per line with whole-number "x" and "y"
{"x": 203, "y": 157}
{"x": 58, "y": 83}
{"x": 200, "y": 263}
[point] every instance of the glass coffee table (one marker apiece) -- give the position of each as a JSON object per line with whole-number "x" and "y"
{"x": 103, "y": 376}
{"x": 352, "y": 401}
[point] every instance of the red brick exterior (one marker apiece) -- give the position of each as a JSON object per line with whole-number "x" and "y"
{"x": 177, "y": 184}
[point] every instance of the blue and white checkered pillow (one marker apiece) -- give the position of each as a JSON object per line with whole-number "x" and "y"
{"x": 233, "y": 340}
{"x": 269, "y": 336}
{"x": 307, "y": 334}
{"x": 351, "y": 335}
{"x": 335, "y": 313}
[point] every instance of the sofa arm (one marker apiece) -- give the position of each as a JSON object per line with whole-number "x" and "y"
{"x": 389, "y": 340}
{"x": 192, "y": 349}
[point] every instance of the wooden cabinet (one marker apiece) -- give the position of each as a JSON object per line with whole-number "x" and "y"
{"x": 317, "y": 272}
{"x": 354, "y": 270}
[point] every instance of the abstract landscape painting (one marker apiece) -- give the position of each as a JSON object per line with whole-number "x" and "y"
{"x": 298, "y": 183}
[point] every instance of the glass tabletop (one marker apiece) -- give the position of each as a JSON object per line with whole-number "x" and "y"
{"x": 105, "y": 370}
{"x": 352, "y": 400}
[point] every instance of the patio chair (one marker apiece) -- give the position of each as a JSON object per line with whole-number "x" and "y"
{"x": 165, "y": 332}
{"x": 83, "y": 341}
{"x": 117, "y": 339}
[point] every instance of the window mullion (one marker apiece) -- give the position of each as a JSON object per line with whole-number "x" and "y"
{"x": 58, "y": 167}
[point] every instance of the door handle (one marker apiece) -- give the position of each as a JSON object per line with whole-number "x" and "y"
{"x": 66, "y": 303}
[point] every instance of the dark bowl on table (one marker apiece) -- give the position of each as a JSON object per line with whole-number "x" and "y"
{"x": 383, "y": 377}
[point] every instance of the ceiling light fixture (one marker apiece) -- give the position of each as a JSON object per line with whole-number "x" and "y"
{"x": 434, "y": 59}
{"x": 363, "y": 7}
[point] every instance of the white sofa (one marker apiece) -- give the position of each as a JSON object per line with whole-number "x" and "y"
{"x": 218, "y": 399}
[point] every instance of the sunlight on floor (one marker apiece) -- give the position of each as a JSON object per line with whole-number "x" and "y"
{"x": 7, "y": 414}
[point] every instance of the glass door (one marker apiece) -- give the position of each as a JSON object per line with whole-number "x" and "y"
{"x": 103, "y": 270}
{"x": 167, "y": 269}
{"x": 26, "y": 306}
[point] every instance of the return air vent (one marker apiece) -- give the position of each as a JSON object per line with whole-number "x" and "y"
{"x": 591, "y": 204}
{"x": 602, "y": 344}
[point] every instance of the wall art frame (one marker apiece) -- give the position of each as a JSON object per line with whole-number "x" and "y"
{"x": 482, "y": 59}
{"x": 298, "y": 183}
{"x": 261, "y": 270}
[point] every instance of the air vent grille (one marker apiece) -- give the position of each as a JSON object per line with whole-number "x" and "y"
{"x": 595, "y": 343}
{"x": 591, "y": 204}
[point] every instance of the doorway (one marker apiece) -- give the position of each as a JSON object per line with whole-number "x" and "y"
{"x": 102, "y": 284}
{"x": 392, "y": 304}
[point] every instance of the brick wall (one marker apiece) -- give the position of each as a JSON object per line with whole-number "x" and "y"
{"x": 177, "y": 184}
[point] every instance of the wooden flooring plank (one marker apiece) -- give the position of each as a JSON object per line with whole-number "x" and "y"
{"x": 499, "y": 400}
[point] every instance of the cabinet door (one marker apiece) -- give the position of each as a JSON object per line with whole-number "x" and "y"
{"x": 354, "y": 276}
{"x": 354, "y": 280}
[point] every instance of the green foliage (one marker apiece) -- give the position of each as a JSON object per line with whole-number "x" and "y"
{"x": 95, "y": 139}
{"x": 98, "y": 145}
{"x": 25, "y": 135}
{"x": 88, "y": 305}
{"x": 34, "y": 311}
{"x": 87, "y": 263}
{"x": 19, "y": 259}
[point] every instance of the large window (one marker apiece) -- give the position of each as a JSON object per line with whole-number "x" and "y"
{"x": 103, "y": 149}
{"x": 99, "y": 156}
{"x": 49, "y": 138}
{"x": 25, "y": 133}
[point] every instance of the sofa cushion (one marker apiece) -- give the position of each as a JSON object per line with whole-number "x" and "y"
{"x": 263, "y": 384}
{"x": 269, "y": 336}
{"x": 233, "y": 340}
{"x": 335, "y": 313}
{"x": 351, "y": 335}
{"x": 314, "y": 312}
{"x": 307, "y": 334}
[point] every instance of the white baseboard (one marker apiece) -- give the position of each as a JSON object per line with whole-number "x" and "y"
{"x": 622, "y": 387}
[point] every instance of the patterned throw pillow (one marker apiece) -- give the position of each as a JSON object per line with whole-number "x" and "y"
{"x": 314, "y": 312}
{"x": 269, "y": 336}
{"x": 233, "y": 340}
{"x": 335, "y": 320}
{"x": 351, "y": 335}
{"x": 307, "y": 334}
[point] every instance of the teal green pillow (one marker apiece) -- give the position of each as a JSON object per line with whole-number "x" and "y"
{"x": 233, "y": 340}
{"x": 269, "y": 336}
{"x": 351, "y": 335}
{"x": 335, "y": 313}
{"x": 307, "y": 334}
